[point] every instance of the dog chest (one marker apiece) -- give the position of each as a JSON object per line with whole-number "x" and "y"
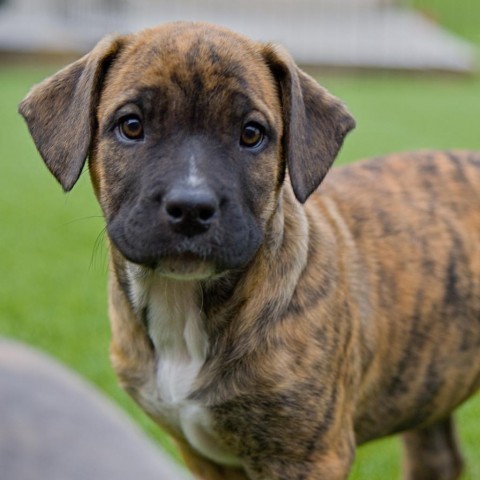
{"x": 175, "y": 326}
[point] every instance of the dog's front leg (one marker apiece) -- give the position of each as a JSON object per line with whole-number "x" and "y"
{"x": 330, "y": 467}
{"x": 203, "y": 469}
{"x": 332, "y": 461}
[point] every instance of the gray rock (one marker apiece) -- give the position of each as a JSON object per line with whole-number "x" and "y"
{"x": 55, "y": 426}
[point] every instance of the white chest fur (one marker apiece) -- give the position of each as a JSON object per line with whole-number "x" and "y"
{"x": 176, "y": 328}
{"x": 175, "y": 324}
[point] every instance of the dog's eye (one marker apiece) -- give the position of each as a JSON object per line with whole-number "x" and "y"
{"x": 252, "y": 135}
{"x": 131, "y": 127}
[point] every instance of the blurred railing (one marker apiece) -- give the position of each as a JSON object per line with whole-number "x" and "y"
{"x": 337, "y": 33}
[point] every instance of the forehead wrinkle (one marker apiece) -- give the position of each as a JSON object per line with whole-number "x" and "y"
{"x": 111, "y": 102}
{"x": 195, "y": 48}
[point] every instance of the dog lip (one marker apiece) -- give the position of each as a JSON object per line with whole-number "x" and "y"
{"x": 154, "y": 261}
{"x": 185, "y": 266}
{"x": 179, "y": 264}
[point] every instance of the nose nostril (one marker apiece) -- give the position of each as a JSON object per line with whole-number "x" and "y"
{"x": 206, "y": 213}
{"x": 175, "y": 212}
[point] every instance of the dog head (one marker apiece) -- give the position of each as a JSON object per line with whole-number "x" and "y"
{"x": 190, "y": 130}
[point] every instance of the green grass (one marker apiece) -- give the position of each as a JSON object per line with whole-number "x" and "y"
{"x": 461, "y": 17}
{"x": 395, "y": 112}
{"x": 53, "y": 259}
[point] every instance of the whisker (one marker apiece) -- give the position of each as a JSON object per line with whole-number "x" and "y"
{"x": 99, "y": 249}
{"x": 81, "y": 219}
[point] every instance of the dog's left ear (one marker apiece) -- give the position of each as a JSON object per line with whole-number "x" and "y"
{"x": 315, "y": 123}
{"x": 60, "y": 111}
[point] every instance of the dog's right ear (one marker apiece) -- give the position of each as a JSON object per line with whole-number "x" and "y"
{"x": 60, "y": 111}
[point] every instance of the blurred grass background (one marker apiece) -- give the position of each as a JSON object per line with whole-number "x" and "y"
{"x": 52, "y": 248}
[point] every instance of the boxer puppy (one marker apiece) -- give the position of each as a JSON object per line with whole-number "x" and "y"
{"x": 268, "y": 326}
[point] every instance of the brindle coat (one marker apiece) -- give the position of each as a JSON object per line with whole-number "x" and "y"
{"x": 326, "y": 323}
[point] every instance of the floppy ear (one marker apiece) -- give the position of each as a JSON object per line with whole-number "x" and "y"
{"x": 60, "y": 111}
{"x": 315, "y": 123}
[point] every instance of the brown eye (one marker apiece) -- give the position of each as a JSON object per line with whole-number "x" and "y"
{"x": 252, "y": 135}
{"x": 131, "y": 128}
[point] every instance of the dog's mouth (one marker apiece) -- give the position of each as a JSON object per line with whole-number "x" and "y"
{"x": 180, "y": 262}
{"x": 186, "y": 266}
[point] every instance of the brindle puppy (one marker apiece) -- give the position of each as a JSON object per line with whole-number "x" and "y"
{"x": 268, "y": 334}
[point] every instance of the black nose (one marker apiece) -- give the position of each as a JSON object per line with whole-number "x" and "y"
{"x": 190, "y": 211}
